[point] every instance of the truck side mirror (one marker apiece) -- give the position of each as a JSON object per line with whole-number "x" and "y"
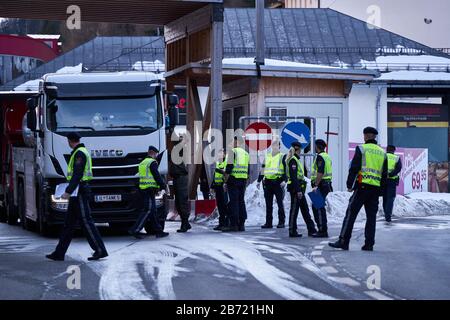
{"x": 31, "y": 113}
{"x": 173, "y": 101}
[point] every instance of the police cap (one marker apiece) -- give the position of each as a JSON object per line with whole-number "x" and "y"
{"x": 73, "y": 136}
{"x": 370, "y": 130}
{"x": 153, "y": 148}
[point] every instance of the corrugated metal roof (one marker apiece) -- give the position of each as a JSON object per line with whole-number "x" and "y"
{"x": 316, "y": 36}
{"x": 152, "y": 12}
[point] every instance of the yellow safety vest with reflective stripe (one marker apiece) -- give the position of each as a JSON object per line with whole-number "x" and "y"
{"x": 240, "y": 164}
{"x": 273, "y": 166}
{"x": 327, "y": 175}
{"x": 300, "y": 172}
{"x": 218, "y": 177}
{"x": 373, "y": 157}
{"x": 87, "y": 174}
{"x": 392, "y": 162}
{"x": 146, "y": 179}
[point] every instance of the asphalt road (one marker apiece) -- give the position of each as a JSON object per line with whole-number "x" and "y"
{"x": 411, "y": 261}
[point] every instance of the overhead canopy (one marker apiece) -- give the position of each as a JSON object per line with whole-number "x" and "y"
{"x": 151, "y": 12}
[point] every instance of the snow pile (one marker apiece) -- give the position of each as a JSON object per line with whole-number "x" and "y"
{"x": 272, "y": 63}
{"x": 32, "y": 85}
{"x": 152, "y": 66}
{"x": 414, "y": 205}
{"x": 71, "y": 69}
{"x": 411, "y": 68}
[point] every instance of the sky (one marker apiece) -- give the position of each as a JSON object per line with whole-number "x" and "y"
{"x": 405, "y": 17}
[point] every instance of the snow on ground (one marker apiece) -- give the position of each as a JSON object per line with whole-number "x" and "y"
{"x": 272, "y": 63}
{"x": 414, "y": 205}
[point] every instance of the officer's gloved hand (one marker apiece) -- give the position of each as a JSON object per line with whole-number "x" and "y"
{"x": 283, "y": 184}
{"x": 299, "y": 195}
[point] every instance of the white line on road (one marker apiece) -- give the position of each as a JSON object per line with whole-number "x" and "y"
{"x": 329, "y": 270}
{"x": 377, "y": 295}
{"x": 345, "y": 280}
{"x": 319, "y": 247}
{"x": 316, "y": 253}
{"x": 319, "y": 260}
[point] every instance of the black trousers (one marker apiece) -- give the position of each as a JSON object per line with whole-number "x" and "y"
{"x": 180, "y": 185}
{"x": 148, "y": 212}
{"x": 296, "y": 205}
{"x": 320, "y": 215}
{"x": 237, "y": 209}
{"x": 389, "y": 195}
{"x": 79, "y": 211}
{"x": 222, "y": 206}
{"x": 271, "y": 189}
{"x": 367, "y": 197}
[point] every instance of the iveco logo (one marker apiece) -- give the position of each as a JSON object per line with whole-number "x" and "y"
{"x": 106, "y": 153}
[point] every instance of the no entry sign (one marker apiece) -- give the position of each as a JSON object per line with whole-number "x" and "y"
{"x": 258, "y": 136}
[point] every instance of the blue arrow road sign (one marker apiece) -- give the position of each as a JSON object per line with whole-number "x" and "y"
{"x": 295, "y": 131}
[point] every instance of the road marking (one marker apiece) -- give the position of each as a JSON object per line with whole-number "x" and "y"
{"x": 324, "y": 242}
{"x": 316, "y": 253}
{"x": 319, "y": 260}
{"x": 345, "y": 280}
{"x": 329, "y": 270}
{"x": 319, "y": 247}
{"x": 291, "y": 258}
{"x": 377, "y": 295}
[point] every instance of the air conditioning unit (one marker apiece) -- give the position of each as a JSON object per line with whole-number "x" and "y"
{"x": 277, "y": 112}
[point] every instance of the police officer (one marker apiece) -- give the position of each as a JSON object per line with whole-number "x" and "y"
{"x": 369, "y": 169}
{"x": 321, "y": 177}
{"x": 297, "y": 186}
{"x": 179, "y": 173}
{"x": 390, "y": 192}
{"x": 274, "y": 181}
{"x": 150, "y": 182}
{"x": 217, "y": 188}
{"x": 236, "y": 176}
{"x": 79, "y": 173}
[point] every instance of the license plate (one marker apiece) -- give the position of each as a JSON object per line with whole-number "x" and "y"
{"x": 109, "y": 198}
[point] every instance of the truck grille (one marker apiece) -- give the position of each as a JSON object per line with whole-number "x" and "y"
{"x": 129, "y": 159}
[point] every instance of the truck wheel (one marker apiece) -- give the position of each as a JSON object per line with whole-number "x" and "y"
{"x": 44, "y": 228}
{"x": 11, "y": 211}
{"x": 3, "y": 216}
{"x": 21, "y": 208}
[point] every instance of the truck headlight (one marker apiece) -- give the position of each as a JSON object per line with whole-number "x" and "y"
{"x": 59, "y": 204}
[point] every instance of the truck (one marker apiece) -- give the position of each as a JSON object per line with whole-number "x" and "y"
{"x": 117, "y": 114}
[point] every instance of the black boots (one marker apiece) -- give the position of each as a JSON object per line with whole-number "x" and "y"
{"x": 340, "y": 244}
{"x": 184, "y": 227}
{"x": 54, "y": 257}
{"x": 98, "y": 256}
{"x": 320, "y": 234}
{"x": 366, "y": 247}
{"x": 295, "y": 235}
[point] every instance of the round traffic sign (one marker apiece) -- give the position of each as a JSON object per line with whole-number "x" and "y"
{"x": 258, "y": 136}
{"x": 295, "y": 131}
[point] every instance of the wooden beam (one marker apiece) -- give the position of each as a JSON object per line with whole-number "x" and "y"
{"x": 194, "y": 114}
{"x": 188, "y": 24}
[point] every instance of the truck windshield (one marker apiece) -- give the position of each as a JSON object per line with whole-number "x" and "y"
{"x": 106, "y": 116}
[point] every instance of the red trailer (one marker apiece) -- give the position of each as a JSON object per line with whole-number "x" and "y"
{"x": 12, "y": 112}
